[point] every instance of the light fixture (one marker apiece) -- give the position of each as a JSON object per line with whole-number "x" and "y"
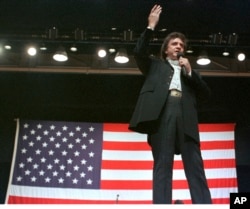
{"x": 31, "y": 51}
{"x": 73, "y": 48}
{"x": 203, "y": 59}
{"x": 102, "y": 53}
{"x": 241, "y": 56}
{"x": 225, "y": 53}
{"x": 60, "y": 55}
{"x": 121, "y": 56}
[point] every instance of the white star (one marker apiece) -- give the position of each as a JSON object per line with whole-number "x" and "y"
{"x": 68, "y": 174}
{"x": 76, "y": 153}
{"x": 83, "y": 161}
{"x": 56, "y": 161}
{"x": 62, "y": 167}
{"x": 57, "y": 145}
{"x": 38, "y": 151}
{"x": 76, "y": 168}
{"x": 70, "y": 146}
{"x": 21, "y": 165}
{"x": 64, "y": 139}
{"x": 41, "y": 173}
{"x": 35, "y": 166}
{"x": 58, "y": 133}
{"x": 19, "y": 178}
{"x": 84, "y": 146}
{"x": 38, "y": 138}
{"x": 49, "y": 167}
{"x": 71, "y": 134}
{"x": 74, "y": 181}
{"x": 84, "y": 135}
{"x": 55, "y": 173}
{"x": 51, "y": 152}
{"x": 91, "y": 141}
{"x": 90, "y": 168}
{"x": 32, "y": 132}
{"x": 26, "y": 125}
{"x": 78, "y": 140}
{"x": 69, "y": 161}
{"x": 43, "y": 160}
{"x": 31, "y": 144}
{"x": 29, "y": 159}
{"x": 65, "y": 128}
{"x": 89, "y": 181}
{"x": 39, "y": 126}
{"x": 24, "y": 151}
{"x": 78, "y": 128}
{"x": 91, "y": 154}
{"x": 45, "y": 132}
{"x": 25, "y": 137}
{"x": 82, "y": 175}
{"x": 47, "y": 180}
{"x": 27, "y": 173}
{"x": 52, "y": 139}
{"x": 33, "y": 179}
{"x": 52, "y": 127}
{"x": 64, "y": 153}
{"x": 61, "y": 180}
{"x": 91, "y": 129}
{"x": 45, "y": 144}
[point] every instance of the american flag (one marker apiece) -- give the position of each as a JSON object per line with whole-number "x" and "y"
{"x": 57, "y": 162}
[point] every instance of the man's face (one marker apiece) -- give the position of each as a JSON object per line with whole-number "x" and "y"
{"x": 174, "y": 46}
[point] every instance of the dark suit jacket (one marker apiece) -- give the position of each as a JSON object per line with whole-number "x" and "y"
{"x": 154, "y": 92}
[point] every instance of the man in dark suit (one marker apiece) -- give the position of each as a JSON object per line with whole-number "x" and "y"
{"x": 166, "y": 111}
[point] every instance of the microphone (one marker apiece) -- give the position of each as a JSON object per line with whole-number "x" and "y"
{"x": 117, "y": 198}
{"x": 181, "y": 54}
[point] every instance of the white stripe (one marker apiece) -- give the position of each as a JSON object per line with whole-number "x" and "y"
{"x": 85, "y": 194}
{"x": 107, "y": 174}
{"x": 147, "y": 155}
{"x": 124, "y": 136}
{"x": 217, "y": 136}
{"x": 137, "y": 137}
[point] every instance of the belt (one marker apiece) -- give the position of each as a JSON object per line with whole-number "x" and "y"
{"x": 175, "y": 93}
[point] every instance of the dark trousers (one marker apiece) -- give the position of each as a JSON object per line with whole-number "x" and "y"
{"x": 170, "y": 140}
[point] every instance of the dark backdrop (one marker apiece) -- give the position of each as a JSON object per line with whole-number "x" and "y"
{"x": 109, "y": 98}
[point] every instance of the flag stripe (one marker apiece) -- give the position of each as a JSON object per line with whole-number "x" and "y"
{"x": 147, "y": 165}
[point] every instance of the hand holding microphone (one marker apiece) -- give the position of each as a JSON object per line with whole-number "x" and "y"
{"x": 184, "y": 63}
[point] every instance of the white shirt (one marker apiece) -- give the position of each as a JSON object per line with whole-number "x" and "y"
{"x": 176, "y": 80}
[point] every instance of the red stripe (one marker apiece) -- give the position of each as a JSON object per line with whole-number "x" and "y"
{"x": 143, "y": 146}
{"x": 148, "y": 165}
{"x": 211, "y": 145}
{"x": 177, "y": 184}
{"x": 123, "y": 127}
{"x": 116, "y": 127}
{"x": 216, "y": 127}
{"x": 135, "y": 146}
{"x": 29, "y": 200}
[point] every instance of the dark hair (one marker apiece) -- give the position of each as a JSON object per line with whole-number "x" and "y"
{"x": 169, "y": 37}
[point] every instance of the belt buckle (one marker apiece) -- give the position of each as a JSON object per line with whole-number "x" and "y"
{"x": 175, "y": 93}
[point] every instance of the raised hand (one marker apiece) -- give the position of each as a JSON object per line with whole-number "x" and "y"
{"x": 154, "y": 16}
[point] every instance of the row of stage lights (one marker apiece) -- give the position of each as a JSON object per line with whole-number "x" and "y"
{"x": 121, "y": 55}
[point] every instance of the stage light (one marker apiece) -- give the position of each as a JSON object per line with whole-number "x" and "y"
{"x": 32, "y": 51}
{"x": 60, "y": 55}
{"x": 102, "y": 53}
{"x": 121, "y": 56}
{"x": 241, "y": 56}
{"x": 7, "y": 47}
{"x": 225, "y": 53}
{"x": 203, "y": 59}
{"x": 73, "y": 48}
